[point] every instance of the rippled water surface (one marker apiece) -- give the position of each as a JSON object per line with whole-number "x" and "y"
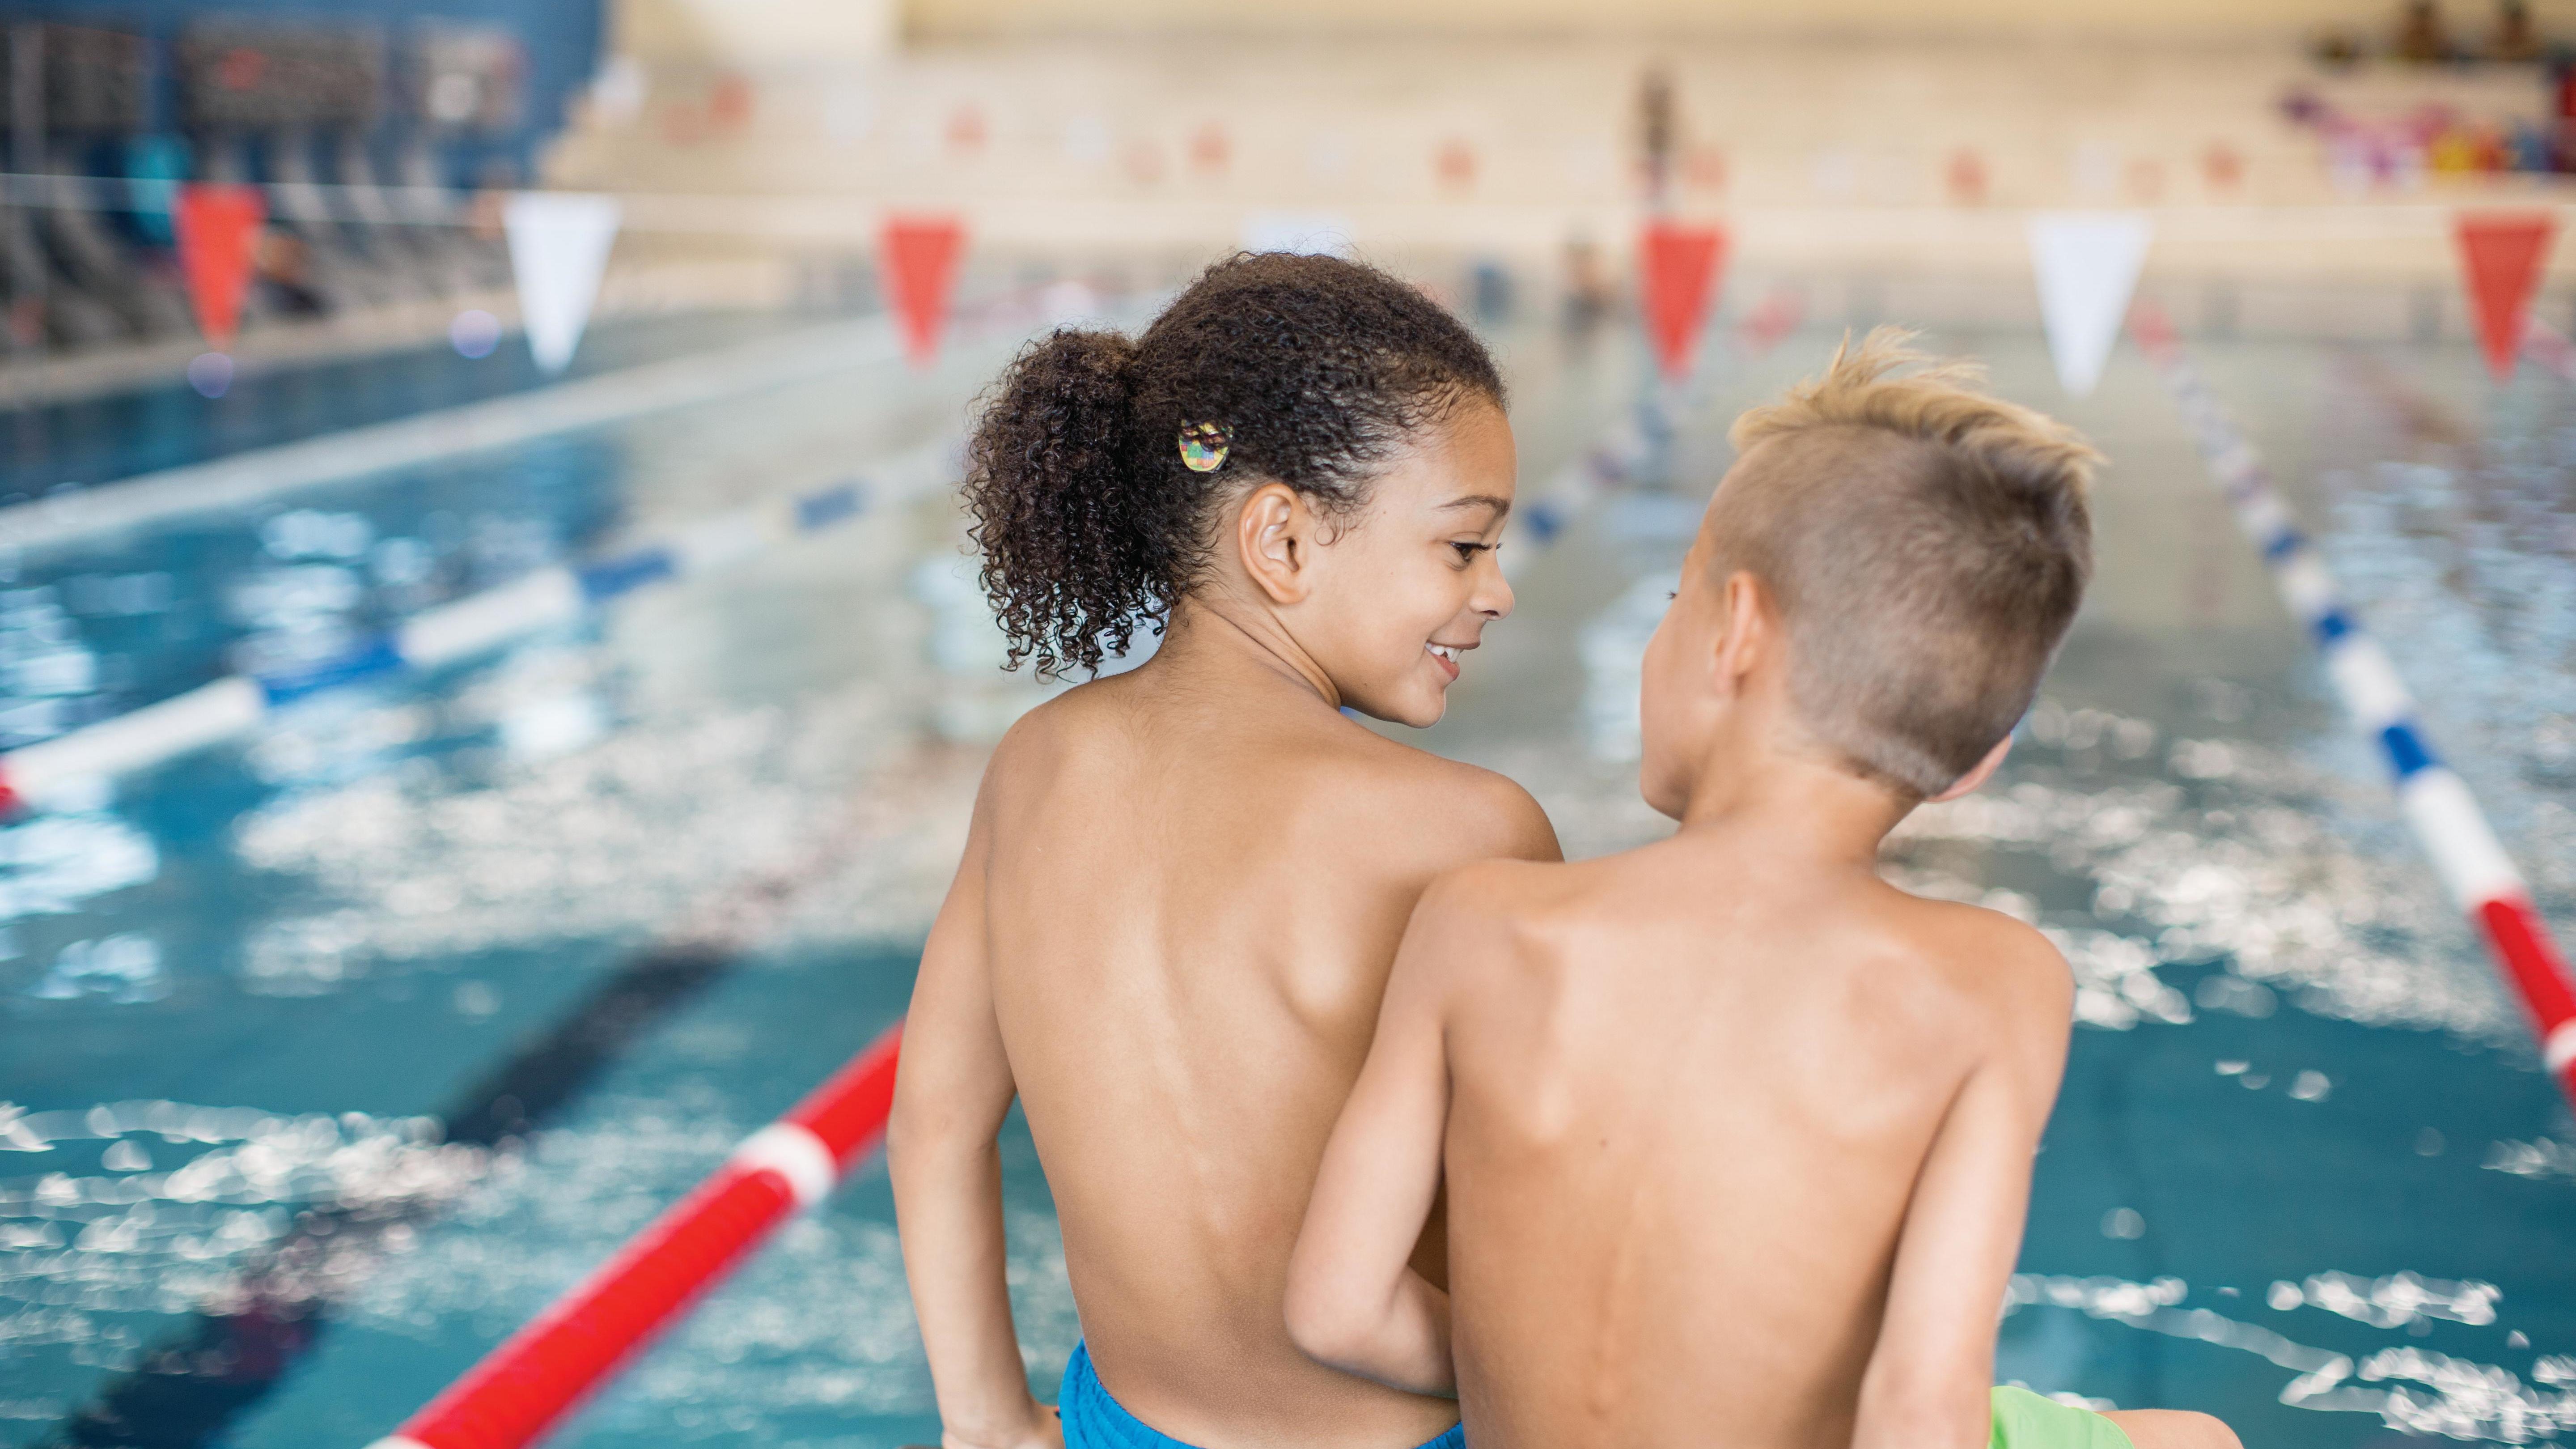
{"x": 2304, "y": 1172}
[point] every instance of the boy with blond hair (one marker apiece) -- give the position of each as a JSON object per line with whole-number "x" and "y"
{"x": 1736, "y": 1136}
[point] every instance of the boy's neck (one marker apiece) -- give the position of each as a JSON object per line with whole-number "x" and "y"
{"x": 1803, "y": 807}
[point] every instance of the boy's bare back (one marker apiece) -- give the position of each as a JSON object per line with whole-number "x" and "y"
{"x": 1736, "y": 1137}
{"x": 1187, "y": 910}
{"x": 1693, "y": 1090}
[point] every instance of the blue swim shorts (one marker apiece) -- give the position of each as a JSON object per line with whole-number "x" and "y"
{"x": 1093, "y": 1420}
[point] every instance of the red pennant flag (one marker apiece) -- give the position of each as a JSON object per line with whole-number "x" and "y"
{"x": 1681, "y": 265}
{"x": 2504, "y": 251}
{"x": 920, "y": 260}
{"x": 217, "y": 227}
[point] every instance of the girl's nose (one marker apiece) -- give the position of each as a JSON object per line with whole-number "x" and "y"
{"x": 1493, "y": 596}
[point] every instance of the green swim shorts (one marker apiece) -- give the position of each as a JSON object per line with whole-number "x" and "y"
{"x": 2024, "y": 1420}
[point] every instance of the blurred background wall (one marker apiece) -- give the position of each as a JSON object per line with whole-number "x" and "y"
{"x": 543, "y": 54}
{"x": 2222, "y": 21}
{"x": 2304, "y": 157}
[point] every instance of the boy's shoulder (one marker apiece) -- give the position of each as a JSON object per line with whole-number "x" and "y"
{"x": 1518, "y": 910}
{"x": 1996, "y": 959}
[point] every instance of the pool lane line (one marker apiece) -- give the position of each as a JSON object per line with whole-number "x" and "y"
{"x": 1643, "y": 436}
{"x": 521, "y": 1388}
{"x": 271, "y": 1315}
{"x": 190, "y": 1388}
{"x": 247, "y": 477}
{"x": 445, "y": 634}
{"x": 2472, "y": 862}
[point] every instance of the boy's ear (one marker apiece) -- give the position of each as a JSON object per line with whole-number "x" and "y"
{"x": 1985, "y": 769}
{"x": 1271, "y": 535}
{"x": 1743, "y": 631}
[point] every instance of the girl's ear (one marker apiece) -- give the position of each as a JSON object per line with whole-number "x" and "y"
{"x": 1273, "y": 536}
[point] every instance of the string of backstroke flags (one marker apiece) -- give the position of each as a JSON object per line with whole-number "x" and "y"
{"x": 2086, "y": 267}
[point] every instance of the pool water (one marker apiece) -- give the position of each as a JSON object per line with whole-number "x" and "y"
{"x": 335, "y": 1055}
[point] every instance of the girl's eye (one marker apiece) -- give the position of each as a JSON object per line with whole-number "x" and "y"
{"x": 1467, "y": 551}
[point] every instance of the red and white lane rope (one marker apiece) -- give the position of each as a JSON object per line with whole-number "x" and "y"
{"x": 521, "y": 1388}
{"x": 2437, "y": 803}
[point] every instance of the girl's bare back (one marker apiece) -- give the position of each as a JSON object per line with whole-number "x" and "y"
{"x": 1189, "y": 916}
{"x": 1184, "y": 885}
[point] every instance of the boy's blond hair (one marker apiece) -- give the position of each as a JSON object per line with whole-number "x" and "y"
{"x": 1926, "y": 545}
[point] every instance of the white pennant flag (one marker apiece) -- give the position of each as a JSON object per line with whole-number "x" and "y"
{"x": 559, "y": 243}
{"x": 2087, "y": 264}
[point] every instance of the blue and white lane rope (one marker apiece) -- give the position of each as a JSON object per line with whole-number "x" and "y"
{"x": 1646, "y": 433}
{"x": 2446, "y": 818}
{"x": 31, "y": 775}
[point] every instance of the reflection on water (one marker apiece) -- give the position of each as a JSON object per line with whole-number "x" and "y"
{"x": 2303, "y": 1172}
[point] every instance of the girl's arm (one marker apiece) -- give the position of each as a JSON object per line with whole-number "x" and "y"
{"x": 952, "y": 1089}
{"x": 1928, "y": 1382}
{"x": 1354, "y": 1300}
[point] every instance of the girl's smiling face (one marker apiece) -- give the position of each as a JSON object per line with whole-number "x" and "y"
{"x": 1405, "y": 587}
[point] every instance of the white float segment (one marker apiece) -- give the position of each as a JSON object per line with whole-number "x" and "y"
{"x": 2465, "y": 851}
{"x": 724, "y": 539}
{"x": 2263, "y": 518}
{"x": 2235, "y": 461}
{"x": 2306, "y": 586}
{"x": 450, "y": 632}
{"x": 2560, "y": 1048}
{"x": 398, "y": 1441}
{"x": 2368, "y": 682}
{"x": 156, "y": 732}
{"x": 436, "y": 636}
{"x": 794, "y": 1153}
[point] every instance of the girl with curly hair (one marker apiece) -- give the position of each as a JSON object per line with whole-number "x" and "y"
{"x": 1183, "y": 885}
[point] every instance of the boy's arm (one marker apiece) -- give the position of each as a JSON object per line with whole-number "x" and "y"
{"x": 952, "y": 1089}
{"x": 1354, "y": 1300}
{"x": 1928, "y": 1379}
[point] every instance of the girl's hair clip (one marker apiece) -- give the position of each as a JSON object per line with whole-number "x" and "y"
{"x": 1204, "y": 446}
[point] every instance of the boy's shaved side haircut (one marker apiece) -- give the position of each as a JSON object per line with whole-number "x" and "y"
{"x": 1926, "y": 545}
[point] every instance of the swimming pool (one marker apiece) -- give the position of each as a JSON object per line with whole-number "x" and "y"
{"x": 608, "y": 901}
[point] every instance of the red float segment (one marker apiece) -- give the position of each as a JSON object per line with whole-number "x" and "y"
{"x": 2532, "y": 962}
{"x": 849, "y": 1111}
{"x": 527, "y": 1383}
{"x": 523, "y": 1387}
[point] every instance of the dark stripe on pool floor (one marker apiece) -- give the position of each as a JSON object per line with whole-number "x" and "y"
{"x": 187, "y": 1392}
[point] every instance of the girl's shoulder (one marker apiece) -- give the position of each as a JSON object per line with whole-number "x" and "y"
{"x": 1453, "y": 808}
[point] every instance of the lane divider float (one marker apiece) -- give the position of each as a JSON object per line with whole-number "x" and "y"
{"x": 2472, "y": 862}
{"x": 521, "y": 1388}
{"x": 1646, "y": 433}
{"x": 227, "y": 708}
